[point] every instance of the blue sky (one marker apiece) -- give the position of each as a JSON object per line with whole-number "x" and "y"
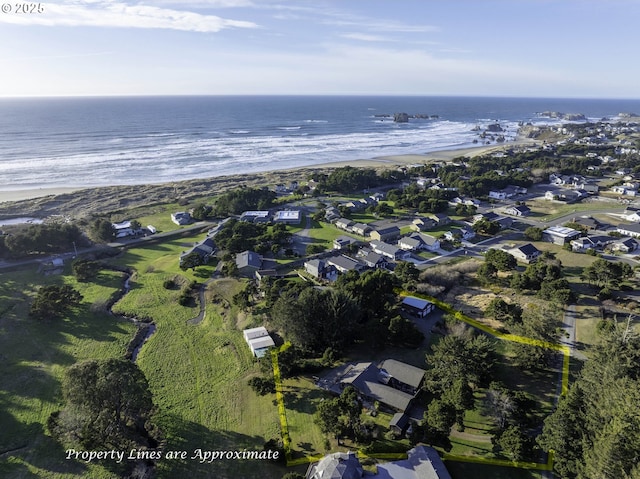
{"x": 536, "y": 48}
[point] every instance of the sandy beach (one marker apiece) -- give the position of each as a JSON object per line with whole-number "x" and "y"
{"x": 18, "y": 195}
{"x": 78, "y": 201}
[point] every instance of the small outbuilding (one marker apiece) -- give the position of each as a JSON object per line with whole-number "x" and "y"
{"x": 259, "y": 340}
{"x": 417, "y": 307}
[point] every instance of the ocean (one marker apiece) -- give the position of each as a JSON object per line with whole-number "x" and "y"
{"x": 78, "y": 142}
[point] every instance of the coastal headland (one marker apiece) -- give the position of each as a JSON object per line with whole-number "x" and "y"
{"x": 78, "y": 202}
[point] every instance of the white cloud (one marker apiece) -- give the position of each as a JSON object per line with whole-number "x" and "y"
{"x": 109, "y": 13}
{"x": 365, "y": 37}
{"x": 382, "y": 26}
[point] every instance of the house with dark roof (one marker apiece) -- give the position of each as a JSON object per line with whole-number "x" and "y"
{"x": 423, "y": 224}
{"x": 518, "y": 210}
{"x": 417, "y": 306}
{"x": 384, "y": 234}
{"x": 588, "y": 222}
{"x": 441, "y": 219}
{"x": 401, "y": 375}
{"x": 626, "y": 245}
{"x": 368, "y": 380}
{"x": 206, "y": 249}
{"x": 248, "y": 262}
{"x": 527, "y": 253}
{"x": 464, "y": 232}
{"x": 331, "y": 214}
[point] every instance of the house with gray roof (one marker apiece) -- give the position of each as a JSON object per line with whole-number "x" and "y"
{"x": 320, "y": 270}
{"x": 375, "y": 383}
{"x": 248, "y": 262}
{"x": 361, "y": 229}
{"x": 423, "y": 224}
{"x": 383, "y": 234}
{"x": 629, "y": 230}
{"x": 419, "y": 241}
{"x": 205, "y": 249}
{"x": 344, "y": 263}
{"x": 401, "y": 375}
{"x": 388, "y": 250}
{"x": 344, "y": 224}
{"x": 422, "y": 462}
{"x": 339, "y": 465}
{"x": 343, "y": 241}
{"x": 374, "y": 260}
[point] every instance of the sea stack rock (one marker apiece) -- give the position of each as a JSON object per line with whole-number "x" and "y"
{"x": 495, "y": 128}
{"x": 401, "y": 117}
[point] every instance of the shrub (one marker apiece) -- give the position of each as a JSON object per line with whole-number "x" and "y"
{"x": 169, "y": 284}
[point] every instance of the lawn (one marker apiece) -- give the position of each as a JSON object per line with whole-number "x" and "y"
{"x": 325, "y": 233}
{"x": 301, "y": 398}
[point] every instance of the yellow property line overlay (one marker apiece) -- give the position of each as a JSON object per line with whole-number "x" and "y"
{"x": 447, "y": 308}
{"x": 282, "y": 412}
{"x": 564, "y": 349}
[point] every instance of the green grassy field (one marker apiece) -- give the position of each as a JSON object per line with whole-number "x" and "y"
{"x": 198, "y": 373}
{"x": 549, "y": 210}
{"x": 324, "y": 233}
{"x": 34, "y": 357}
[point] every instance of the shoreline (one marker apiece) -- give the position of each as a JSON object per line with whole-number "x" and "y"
{"x": 84, "y": 201}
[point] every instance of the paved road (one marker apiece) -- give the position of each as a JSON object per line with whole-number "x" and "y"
{"x": 569, "y": 328}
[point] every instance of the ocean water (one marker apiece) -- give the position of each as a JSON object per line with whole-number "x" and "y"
{"x": 53, "y": 142}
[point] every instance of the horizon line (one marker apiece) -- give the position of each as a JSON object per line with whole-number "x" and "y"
{"x": 370, "y": 95}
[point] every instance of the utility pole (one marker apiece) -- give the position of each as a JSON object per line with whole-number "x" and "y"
{"x": 75, "y": 250}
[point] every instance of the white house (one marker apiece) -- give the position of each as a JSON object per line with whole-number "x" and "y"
{"x": 258, "y": 340}
{"x": 418, "y": 241}
{"x": 632, "y": 230}
{"x": 527, "y": 253}
{"x": 181, "y": 218}
{"x": 560, "y": 234}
